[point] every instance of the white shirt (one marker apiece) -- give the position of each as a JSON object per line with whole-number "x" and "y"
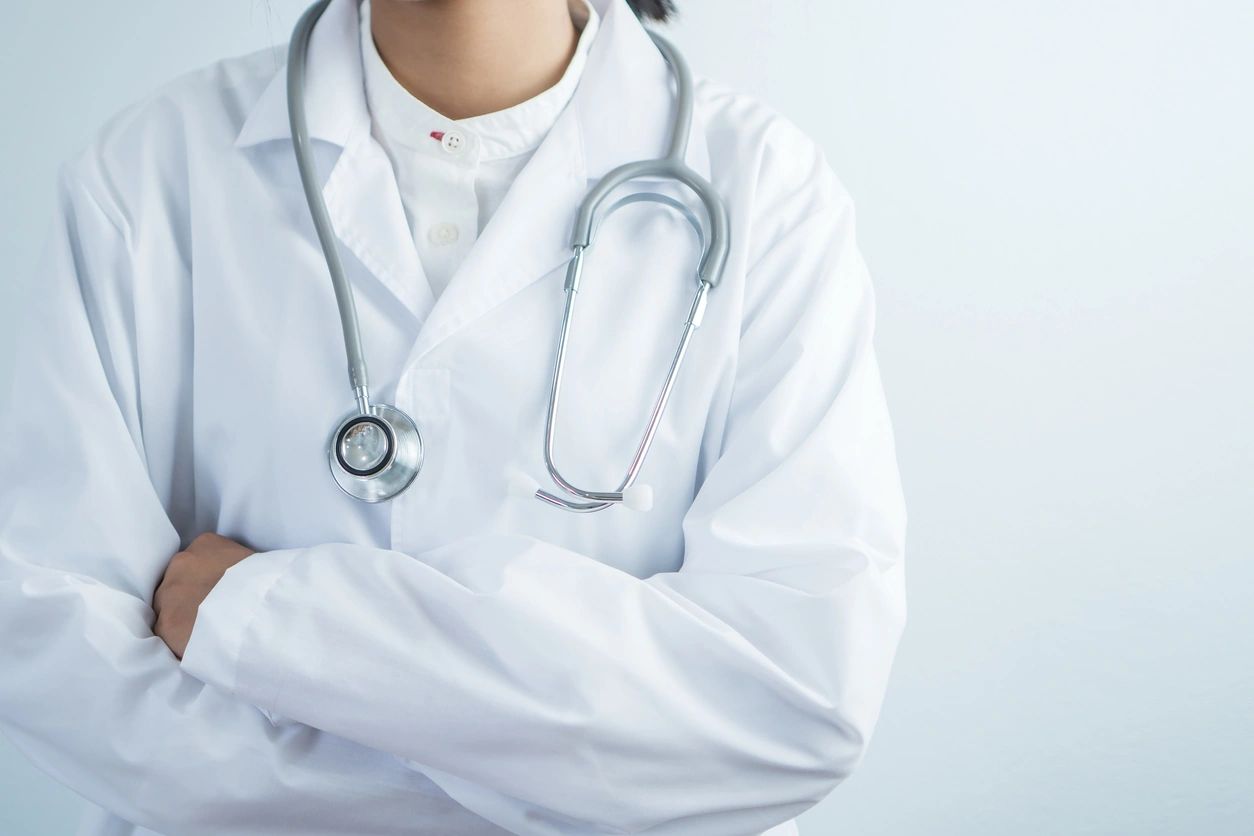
{"x": 457, "y": 661}
{"x": 453, "y": 174}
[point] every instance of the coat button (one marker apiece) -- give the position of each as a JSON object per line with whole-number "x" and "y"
{"x": 442, "y": 233}
{"x": 453, "y": 142}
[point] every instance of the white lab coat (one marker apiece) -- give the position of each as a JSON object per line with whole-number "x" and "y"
{"x": 459, "y": 660}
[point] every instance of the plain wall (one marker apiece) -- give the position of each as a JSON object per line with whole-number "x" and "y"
{"x": 1057, "y": 202}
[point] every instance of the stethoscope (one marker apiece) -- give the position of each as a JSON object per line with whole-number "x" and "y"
{"x": 376, "y": 451}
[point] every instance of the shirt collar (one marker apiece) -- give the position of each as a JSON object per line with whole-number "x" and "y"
{"x": 406, "y": 120}
{"x": 623, "y": 104}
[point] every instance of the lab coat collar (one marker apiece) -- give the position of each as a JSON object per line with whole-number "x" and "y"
{"x": 360, "y": 189}
{"x": 621, "y": 111}
{"x": 625, "y": 104}
{"x": 334, "y": 100}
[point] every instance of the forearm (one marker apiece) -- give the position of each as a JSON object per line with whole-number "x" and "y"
{"x": 99, "y": 703}
{"x": 507, "y": 667}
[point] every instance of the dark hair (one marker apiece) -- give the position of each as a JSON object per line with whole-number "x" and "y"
{"x": 659, "y": 10}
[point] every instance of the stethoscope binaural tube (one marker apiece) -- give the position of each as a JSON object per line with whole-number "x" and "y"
{"x": 376, "y": 451}
{"x": 709, "y": 273}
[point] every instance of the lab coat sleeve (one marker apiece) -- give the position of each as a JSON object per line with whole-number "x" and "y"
{"x": 554, "y": 694}
{"x": 86, "y": 690}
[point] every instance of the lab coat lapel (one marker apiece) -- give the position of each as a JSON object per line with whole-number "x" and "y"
{"x": 365, "y": 206}
{"x": 621, "y": 111}
{"x": 359, "y": 188}
{"x": 526, "y": 239}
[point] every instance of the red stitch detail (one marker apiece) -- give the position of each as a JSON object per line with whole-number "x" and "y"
{"x": 437, "y": 135}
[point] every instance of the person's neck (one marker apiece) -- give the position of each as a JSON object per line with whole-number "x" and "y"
{"x": 469, "y": 57}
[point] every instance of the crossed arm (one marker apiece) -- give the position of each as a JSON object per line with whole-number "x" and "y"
{"x": 87, "y": 691}
{"x": 530, "y": 685}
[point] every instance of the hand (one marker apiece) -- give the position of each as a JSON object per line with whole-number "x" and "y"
{"x": 189, "y": 578}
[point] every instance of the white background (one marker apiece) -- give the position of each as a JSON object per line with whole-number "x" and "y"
{"x": 1057, "y": 202}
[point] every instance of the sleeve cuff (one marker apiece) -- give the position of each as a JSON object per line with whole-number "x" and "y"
{"x": 213, "y": 650}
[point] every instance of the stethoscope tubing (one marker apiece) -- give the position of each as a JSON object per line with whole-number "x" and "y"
{"x": 358, "y": 373}
{"x": 671, "y": 166}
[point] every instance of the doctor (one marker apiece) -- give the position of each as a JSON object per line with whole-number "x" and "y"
{"x": 201, "y": 633}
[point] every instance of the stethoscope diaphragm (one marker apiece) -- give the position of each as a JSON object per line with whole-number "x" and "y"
{"x": 374, "y": 456}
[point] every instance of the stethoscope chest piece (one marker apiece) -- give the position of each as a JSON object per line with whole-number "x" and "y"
{"x": 375, "y": 455}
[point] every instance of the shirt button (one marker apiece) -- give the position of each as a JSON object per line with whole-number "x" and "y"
{"x": 440, "y": 234}
{"x": 453, "y": 142}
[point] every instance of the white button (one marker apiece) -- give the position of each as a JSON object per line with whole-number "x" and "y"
{"x": 453, "y": 142}
{"x": 440, "y": 234}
